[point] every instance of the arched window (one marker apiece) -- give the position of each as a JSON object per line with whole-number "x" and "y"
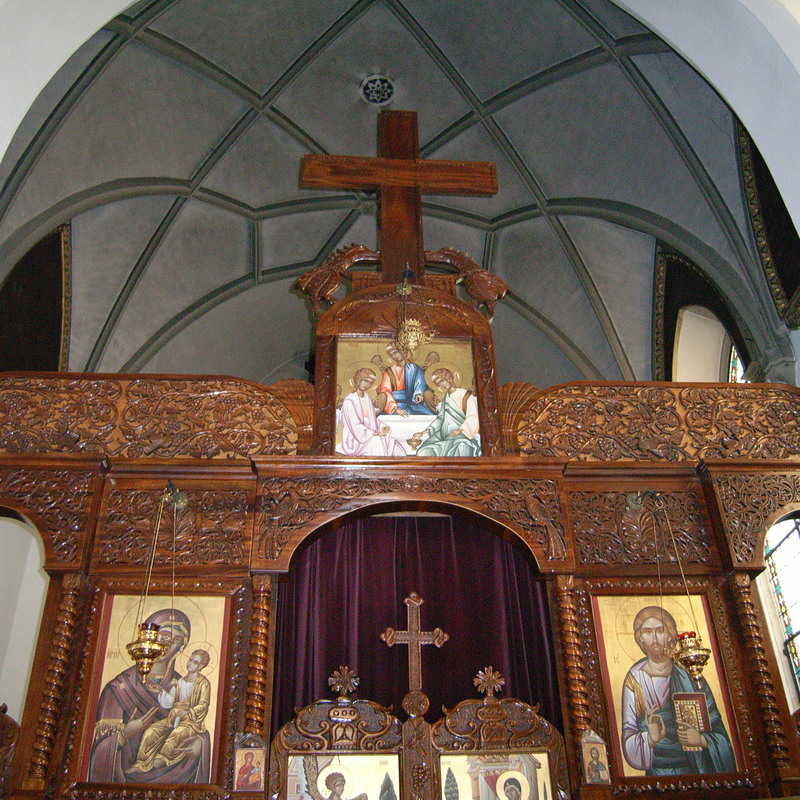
{"x": 780, "y": 594}
{"x": 23, "y": 586}
{"x": 704, "y": 350}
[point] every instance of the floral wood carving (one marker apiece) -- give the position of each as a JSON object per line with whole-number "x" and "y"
{"x": 285, "y": 505}
{"x": 147, "y": 417}
{"x": 298, "y": 397}
{"x": 609, "y": 531}
{"x": 62, "y": 500}
{"x": 211, "y": 529}
{"x": 644, "y": 422}
{"x": 514, "y": 399}
{"x": 746, "y": 501}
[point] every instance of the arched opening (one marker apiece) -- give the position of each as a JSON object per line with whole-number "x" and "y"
{"x": 347, "y": 583}
{"x": 23, "y": 586}
{"x": 704, "y": 350}
{"x": 780, "y": 598}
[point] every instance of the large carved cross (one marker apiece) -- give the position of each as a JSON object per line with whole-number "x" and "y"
{"x": 401, "y": 178}
{"x": 414, "y": 637}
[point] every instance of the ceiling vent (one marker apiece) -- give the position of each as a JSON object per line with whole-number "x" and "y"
{"x": 377, "y": 90}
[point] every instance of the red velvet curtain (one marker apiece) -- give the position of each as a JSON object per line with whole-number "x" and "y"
{"x": 348, "y": 585}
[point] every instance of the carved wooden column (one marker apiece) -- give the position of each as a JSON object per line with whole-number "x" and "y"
{"x": 756, "y": 656}
{"x": 258, "y": 664}
{"x": 54, "y": 682}
{"x": 573, "y": 663}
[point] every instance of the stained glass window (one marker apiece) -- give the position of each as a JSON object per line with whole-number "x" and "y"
{"x": 782, "y": 555}
{"x": 735, "y": 368}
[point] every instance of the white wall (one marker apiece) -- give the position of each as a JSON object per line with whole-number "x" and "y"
{"x": 700, "y": 344}
{"x": 23, "y": 586}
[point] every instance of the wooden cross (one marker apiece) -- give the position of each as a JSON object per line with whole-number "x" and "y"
{"x": 400, "y": 178}
{"x": 414, "y": 638}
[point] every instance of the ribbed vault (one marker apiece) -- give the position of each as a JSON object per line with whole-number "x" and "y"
{"x": 171, "y": 139}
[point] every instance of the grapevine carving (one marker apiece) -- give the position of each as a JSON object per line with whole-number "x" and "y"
{"x": 61, "y": 499}
{"x": 673, "y": 423}
{"x": 147, "y": 417}
{"x": 286, "y": 505}
{"x": 747, "y": 501}
{"x": 610, "y": 530}
{"x": 211, "y": 529}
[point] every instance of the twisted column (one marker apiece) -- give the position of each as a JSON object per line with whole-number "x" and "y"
{"x": 55, "y": 673}
{"x": 759, "y": 669}
{"x": 258, "y": 663}
{"x": 573, "y": 662}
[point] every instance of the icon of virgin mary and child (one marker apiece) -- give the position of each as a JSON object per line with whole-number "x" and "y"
{"x": 152, "y": 730}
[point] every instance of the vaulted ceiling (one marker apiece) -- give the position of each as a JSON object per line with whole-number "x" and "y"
{"x": 172, "y": 139}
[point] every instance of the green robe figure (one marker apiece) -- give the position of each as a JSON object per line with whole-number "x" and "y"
{"x": 455, "y": 429}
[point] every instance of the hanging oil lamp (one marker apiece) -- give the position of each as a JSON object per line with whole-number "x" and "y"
{"x": 146, "y": 647}
{"x": 410, "y": 332}
{"x": 691, "y": 654}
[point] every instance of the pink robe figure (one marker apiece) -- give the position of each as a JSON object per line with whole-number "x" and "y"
{"x": 361, "y": 430}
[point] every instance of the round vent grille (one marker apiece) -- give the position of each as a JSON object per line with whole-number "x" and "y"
{"x": 377, "y": 90}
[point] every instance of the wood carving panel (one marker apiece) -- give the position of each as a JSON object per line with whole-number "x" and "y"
{"x": 645, "y": 422}
{"x": 146, "y": 417}
{"x": 211, "y": 530}
{"x": 610, "y": 530}
{"x": 61, "y": 499}
{"x": 502, "y": 725}
{"x": 747, "y": 502}
{"x": 514, "y": 400}
{"x": 287, "y": 505}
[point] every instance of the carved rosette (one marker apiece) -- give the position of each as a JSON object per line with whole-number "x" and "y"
{"x": 573, "y": 656}
{"x": 147, "y": 417}
{"x": 747, "y": 501}
{"x": 531, "y": 506}
{"x": 61, "y": 499}
{"x": 50, "y": 711}
{"x": 641, "y": 422}
{"x": 211, "y": 530}
{"x": 609, "y": 531}
{"x": 514, "y": 399}
{"x": 759, "y": 670}
{"x": 258, "y": 664}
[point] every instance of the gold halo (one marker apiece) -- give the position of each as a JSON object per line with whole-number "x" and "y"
{"x": 213, "y": 659}
{"x": 325, "y": 771}
{"x": 353, "y": 368}
{"x": 457, "y": 376}
{"x": 523, "y": 782}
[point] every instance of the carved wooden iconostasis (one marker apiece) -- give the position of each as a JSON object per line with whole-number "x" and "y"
{"x": 628, "y": 497}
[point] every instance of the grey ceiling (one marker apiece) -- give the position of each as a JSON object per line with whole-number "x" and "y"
{"x": 172, "y": 140}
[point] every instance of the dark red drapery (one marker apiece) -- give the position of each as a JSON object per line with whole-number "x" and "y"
{"x": 348, "y": 585}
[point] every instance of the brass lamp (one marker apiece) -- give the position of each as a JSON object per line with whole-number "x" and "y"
{"x": 146, "y": 647}
{"x": 689, "y": 652}
{"x": 410, "y": 333}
